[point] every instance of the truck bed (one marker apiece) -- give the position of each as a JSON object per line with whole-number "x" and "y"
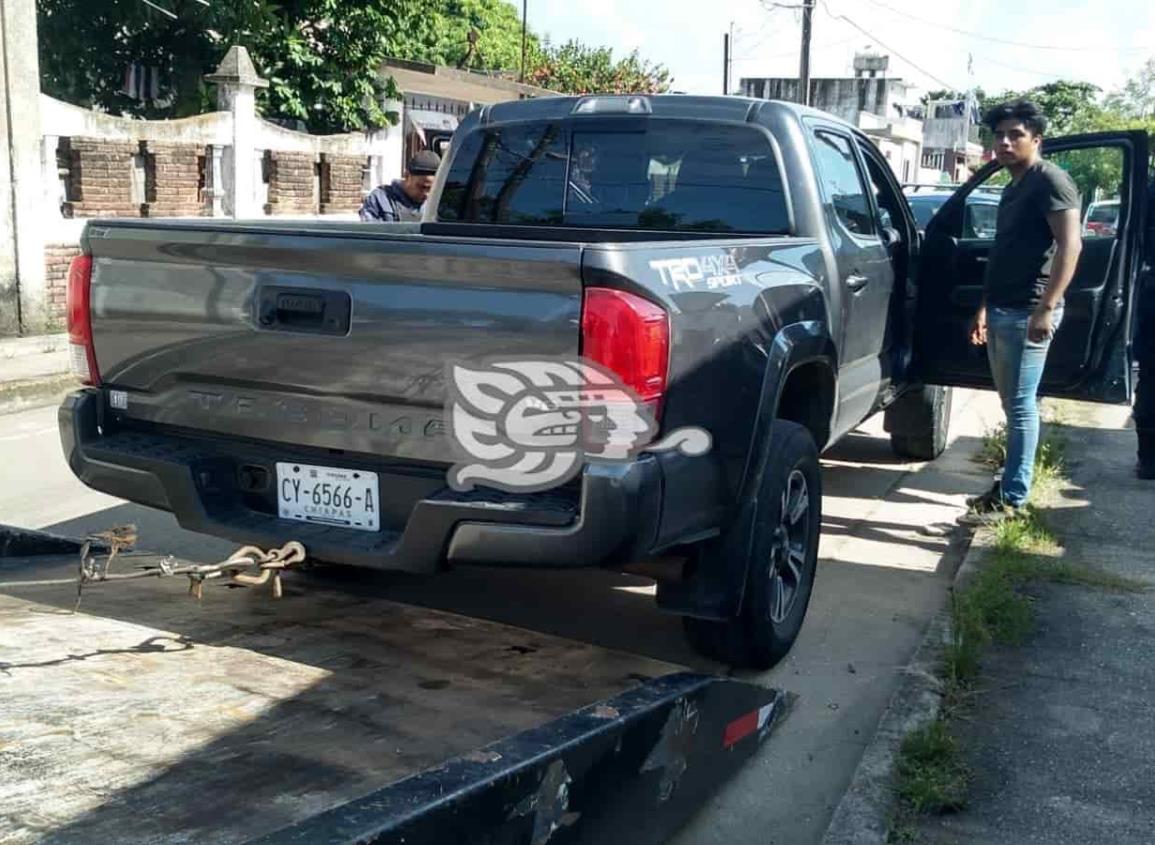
{"x": 150, "y": 717}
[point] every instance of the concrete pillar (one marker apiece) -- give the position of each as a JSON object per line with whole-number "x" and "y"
{"x": 23, "y": 298}
{"x": 237, "y": 81}
{"x": 54, "y": 194}
{"x": 389, "y": 146}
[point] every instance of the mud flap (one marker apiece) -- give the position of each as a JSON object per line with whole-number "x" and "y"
{"x": 631, "y": 769}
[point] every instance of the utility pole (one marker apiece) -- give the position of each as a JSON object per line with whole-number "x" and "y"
{"x": 804, "y": 68}
{"x": 725, "y": 63}
{"x": 524, "y": 10}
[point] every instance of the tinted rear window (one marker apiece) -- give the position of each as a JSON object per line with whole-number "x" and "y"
{"x": 668, "y": 175}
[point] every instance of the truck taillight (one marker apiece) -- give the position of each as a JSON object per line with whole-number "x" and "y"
{"x": 630, "y": 336}
{"x": 80, "y": 320}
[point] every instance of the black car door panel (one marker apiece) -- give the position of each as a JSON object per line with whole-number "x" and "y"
{"x": 1087, "y": 357}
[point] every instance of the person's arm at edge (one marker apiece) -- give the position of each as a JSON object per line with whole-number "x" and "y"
{"x": 377, "y": 208}
{"x": 1066, "y": 230}
{"x": 369, "y": 208}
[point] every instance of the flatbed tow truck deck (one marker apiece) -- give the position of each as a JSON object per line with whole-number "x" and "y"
{"x": 334, "y": 714}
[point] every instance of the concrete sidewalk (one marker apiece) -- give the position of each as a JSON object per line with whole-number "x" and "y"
{"x": 34, "y": 371}
{"x": 1061, "y": 737}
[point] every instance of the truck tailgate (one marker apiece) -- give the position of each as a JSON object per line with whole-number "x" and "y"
{"x": 333, "y": 336}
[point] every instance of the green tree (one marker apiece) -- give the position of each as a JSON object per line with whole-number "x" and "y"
{"x": 1075, "y": 107}
{"x": 496, "y": 26}
{"x": 1136, "y": 99}
{"x": 321, "y": 57}
{"x": 1066, "y": 104}
{"x": 576, "y": 68}
{"x": 87, "y": 47}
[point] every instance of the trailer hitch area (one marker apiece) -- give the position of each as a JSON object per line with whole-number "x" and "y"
{"x": 248, "y": 566}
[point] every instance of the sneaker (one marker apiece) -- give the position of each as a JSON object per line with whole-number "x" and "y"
{"x": 1145, "y": 471}
{"x": 988, "y": 509}
{"x": 994, "y": 494}
{"x": 989, "y": 517}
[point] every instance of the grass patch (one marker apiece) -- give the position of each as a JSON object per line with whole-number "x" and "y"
{"x": 993, "y": 452}
{"x": 931, "y": 771}
{"x": 1050, "y": 457}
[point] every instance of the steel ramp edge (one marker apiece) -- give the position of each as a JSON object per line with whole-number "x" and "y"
{"x": 631, "y": 769}
{"x": 16, "y": 542}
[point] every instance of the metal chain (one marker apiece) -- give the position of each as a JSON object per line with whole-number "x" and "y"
{"x": 248, "y": 566}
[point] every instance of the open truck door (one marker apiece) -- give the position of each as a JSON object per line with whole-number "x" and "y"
{"x": 1089, "y": 357}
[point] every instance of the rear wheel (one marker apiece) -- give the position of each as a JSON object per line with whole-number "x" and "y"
{"x": 919, "y": 423}
{"x": 782, "y": 559}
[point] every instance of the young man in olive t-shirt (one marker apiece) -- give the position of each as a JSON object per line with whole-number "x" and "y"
{"x": 1036, "y": 248}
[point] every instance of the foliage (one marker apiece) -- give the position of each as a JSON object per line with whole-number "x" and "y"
{"x": 1064, "y": 103}
{"x": 576, "y": 68}
{"x": 322, "y": 58}
{"x": 87, "y": 47}
{"x": 497, "y": 28}
{"x": 1136, "y": 99}
{"x": 1078, "y": 107}
{"x": 932, "y": 777}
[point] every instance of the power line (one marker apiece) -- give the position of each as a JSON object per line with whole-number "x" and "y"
{"x": 878, "y": 41}
{"x": 1032, "y": 71}
{"x": 997, "y": 40}
{"x": 794, "y": 52}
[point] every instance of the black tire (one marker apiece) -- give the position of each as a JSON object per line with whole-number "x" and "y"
{"x": 919, "y": 423}
{"x": 782, "y": 560}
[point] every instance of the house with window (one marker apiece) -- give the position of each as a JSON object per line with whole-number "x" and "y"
{"x": 882, "y": 107}
{"x": 951, "y": 138}
{"x": 435, "y": 98}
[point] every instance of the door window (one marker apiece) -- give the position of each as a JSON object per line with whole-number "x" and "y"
{"x": 1097, "y": 173}
{"x": 842, "y": 182}
{"x": 888, "y": 202}
{"x": 981, "y": 220}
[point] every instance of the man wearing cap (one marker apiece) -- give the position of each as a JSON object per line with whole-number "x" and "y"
{"x": 403, "y": 199}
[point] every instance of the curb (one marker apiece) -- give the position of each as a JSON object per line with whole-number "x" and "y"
{"x": 24, "y": 542}
{"x": 35, "y": 393}
{"x": 864, "y": 814}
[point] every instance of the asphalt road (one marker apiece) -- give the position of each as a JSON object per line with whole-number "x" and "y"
{"x": 889, "y": 550}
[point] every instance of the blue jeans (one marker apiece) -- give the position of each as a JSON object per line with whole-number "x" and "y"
{"x": 1017, "y": 367}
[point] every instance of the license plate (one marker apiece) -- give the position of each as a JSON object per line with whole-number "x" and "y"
{"x": 330, "y": 496}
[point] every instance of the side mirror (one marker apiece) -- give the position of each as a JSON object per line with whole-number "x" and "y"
{"x": 890, "y": 236}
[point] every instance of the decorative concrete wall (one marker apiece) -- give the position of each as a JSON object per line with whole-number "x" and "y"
{"x": 71, "y": 164}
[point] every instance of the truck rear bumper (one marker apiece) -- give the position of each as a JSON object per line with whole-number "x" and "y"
{"x": 612, "y": 519}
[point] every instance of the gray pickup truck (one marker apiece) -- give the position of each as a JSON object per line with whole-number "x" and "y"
{"x": 747, "y": 268}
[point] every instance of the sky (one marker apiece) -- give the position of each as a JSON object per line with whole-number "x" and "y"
{"x": 1099, "y": 41}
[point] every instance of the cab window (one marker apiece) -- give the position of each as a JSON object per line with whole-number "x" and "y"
{"x": 842, "y": 183}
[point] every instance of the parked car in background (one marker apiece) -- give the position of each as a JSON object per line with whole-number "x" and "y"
{"x": 979, "y": 220}
{"x": 1101, "y": 219}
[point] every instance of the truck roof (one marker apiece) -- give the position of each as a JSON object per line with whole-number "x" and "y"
{"x": 718, "y": 107}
